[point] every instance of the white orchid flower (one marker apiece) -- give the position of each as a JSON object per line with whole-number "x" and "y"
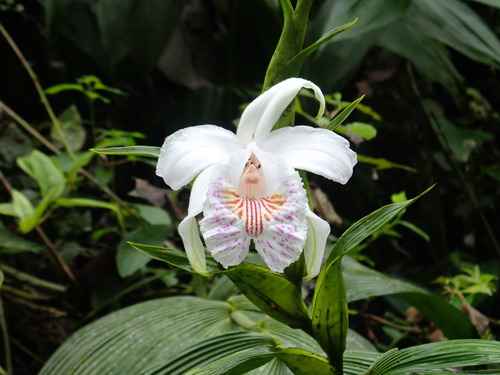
{"x": 247, "y": 186}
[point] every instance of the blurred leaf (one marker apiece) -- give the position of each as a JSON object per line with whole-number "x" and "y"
{"x": 363, "y": 130}
{"x": 138, "y": 29}
{"x": 28, "y": 223}
{"x": 72, "y": 128}
{"x": 11, "y": 244}
{"x": 347, "y": 51}
{"x": 491, "y": 3}
{"x": 87, "y": 202}
{"x": 81, "y": 161}
{"x": 150, "y": 151}
{"x": 372, "y": 15}
{"x": 128, "y": 260}
{"x": 61, "y": 87}
{"x": 154, "y": 215}
{"x": 381, "y": 163}
{"x": 462, "y": 141}
{"x": 430, "y": 58}
{"x": 438, "y": 355}
{"x": 45, "y": 171}
{"x": 363, "y": 282}
{"x": 453, "y": 23}
{"x": 21, "y": 205}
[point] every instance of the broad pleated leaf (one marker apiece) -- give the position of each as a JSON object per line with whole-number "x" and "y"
{"x": 438, "y": 355}
{"x": 211, "y": 352}
{"x": 150, "y": 335}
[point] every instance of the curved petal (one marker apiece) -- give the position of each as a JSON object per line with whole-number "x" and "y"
{"x": 261, "y": 115}
{"x": 188, "y": 230}
{"x": 316, "y": 150}
{"x": 188, "y": 151}
{"x": 317, "y": 234}
{"x": 199, "y": 190}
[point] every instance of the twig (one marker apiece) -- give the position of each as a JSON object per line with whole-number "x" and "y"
{"x": 47, "y": 241}
{"x": 28, "y": 128}
{"x": 57, "y": 256}
{"x": 5, "y": 333}
{"x": 25, "y": 125}
{"x": 39, "y": 89}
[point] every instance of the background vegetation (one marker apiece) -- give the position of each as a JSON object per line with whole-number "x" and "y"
{"x": 126, "y": 72}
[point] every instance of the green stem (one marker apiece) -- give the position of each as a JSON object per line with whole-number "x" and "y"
{"x": 290, "y": 42}
{"x": 39, "y": 89}
{"x": 23, "y": 276}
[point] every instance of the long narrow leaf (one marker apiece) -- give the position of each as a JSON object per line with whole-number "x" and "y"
{"x": 150, "y": 151}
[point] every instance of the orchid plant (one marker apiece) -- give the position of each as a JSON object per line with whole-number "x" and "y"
{"x": 250, "y": 191}
{"x": 247, "y": 187}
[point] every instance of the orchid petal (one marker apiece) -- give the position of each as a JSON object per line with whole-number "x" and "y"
{"x": 316, "y": 150}
{"x": 261, "y": 115}
{"x": 317, "y": 235}
{"x": 222, "y": 227}
{"x": 188, "y": 230}
{"x": 189, "y": 151}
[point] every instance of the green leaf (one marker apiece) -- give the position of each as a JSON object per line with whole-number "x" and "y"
{"x": 329, "y": 314}
{"x": 368, "y": 225}
{"x": 273, "y": 293}
{"x": 292, "y": 68}
{"x": 21, "y": 205}
{"x": 491, "y": 3}
{"x": 453, "y": 23}
{"x": 154, "y": 215}
{"x": 462, "y": 141}
{"x": 430, "y": 57}
{"x": 56, "y": 89}
{"x": 87, "y": 202}
{"x": 28, "y": 223}
{"x": 438, "y": 355}
{"x": 363, "y": 282}
{"x": 128, "y": 260}
{"x": 342, "y": 116}
{"x": 45, "y": 171}
{"x": 150, "y": 151}
{"x": 12, "y": 244}
{"x": 381, "y": 163}
{"x": 149, "y": 335}
{"x": 329, "y": 308}
{"x": 363, "y": 130}
{"x": 302, "y": 362}
{"x": 73, "y": 130}
{"x": 174, "y": 257}
{"x": 218, "y": 353}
